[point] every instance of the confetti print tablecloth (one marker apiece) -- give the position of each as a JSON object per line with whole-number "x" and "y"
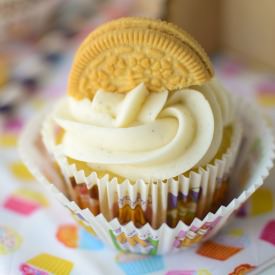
{"x": 38, "y": 234}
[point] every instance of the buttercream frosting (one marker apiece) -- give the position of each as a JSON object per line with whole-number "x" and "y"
{"x": 142, "y": 135}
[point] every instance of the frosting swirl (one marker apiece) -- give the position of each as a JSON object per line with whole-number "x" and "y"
{"x": 142, "y": 135}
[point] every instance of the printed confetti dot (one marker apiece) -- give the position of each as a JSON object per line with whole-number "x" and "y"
{"x": 87, "y": 241}
{"x": 13, "y": 124}
{"x": 135, "y": 264}
{"x": 67, "y": 234}
{"x": 242, "y": 269}
{"x": 242, "y": 211}
{"x": 217, "y": 251}
{"x": 20, "y": 171}
{"x": 8, "y": 140}
{"x": 46, "y": 264}
{"x": 268, "y": 232}
{"x": 266, "y": 100}
{"x": 32, "y": 195}
{"x": 261, "y": 202}
{"x": 10, "y": 240}
{"x": 73, "y": 237}
{"x": 25, "y": 201}
{"x": 20, "y": 206}
{"x": 266, "y": 94}
{"x": 230, "y": 67}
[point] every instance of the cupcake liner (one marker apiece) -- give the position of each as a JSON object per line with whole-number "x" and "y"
{"x": 251, "y": 168}
{"x": 157, "y": 202}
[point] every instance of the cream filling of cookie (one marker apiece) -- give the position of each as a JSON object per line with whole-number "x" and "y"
{"x": 142, "y": 135}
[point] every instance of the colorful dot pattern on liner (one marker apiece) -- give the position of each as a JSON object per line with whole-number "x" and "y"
{"x": 187, "y": 238}
{"x": 134, "y": 242}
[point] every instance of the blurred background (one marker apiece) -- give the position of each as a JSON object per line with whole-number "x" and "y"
{"x": 38, "y": 40}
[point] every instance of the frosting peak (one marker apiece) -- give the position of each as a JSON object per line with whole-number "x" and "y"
{"x": 138, "y": 135}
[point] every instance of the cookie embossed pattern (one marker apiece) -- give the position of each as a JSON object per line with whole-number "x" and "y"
{"x": 119, "y": 55}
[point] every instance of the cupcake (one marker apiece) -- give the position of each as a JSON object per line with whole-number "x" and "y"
{"x": 146, "y": 139}
{"x": 143, "y": 109}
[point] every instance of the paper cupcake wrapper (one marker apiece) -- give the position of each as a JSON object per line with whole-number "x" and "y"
{"x": 254, "y": 161}
{"x": 169, "y": 201}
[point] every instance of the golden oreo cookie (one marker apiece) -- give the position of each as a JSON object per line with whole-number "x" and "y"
{"x": 121, "y": 54}
{"x": 156, "y": 24}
